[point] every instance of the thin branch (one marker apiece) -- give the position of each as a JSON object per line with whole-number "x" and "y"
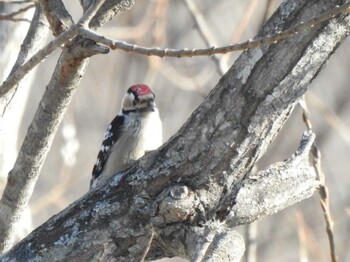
{"x": 114, "y": 44}
{"x": 11, "y": 16}
{"x": 36, "y": 59}
{"x": 31, "y": 43}
{"x": 107, "y": 11}
{"x": 323, "y": 190}
{"x": 90, "y": 13}
{"x": 15, "y": 19}
{"x": 305, "y": 113}
{"x": 148, "y": 247}
{"x": 19, "y": 2}
{"x": 268, "y": 40}
{"x": 204, "y": 31}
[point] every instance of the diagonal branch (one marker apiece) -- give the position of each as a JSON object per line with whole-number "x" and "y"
{"x": 205, "y": 32}
{"x": 323, "y": 191}
{"x": 108, "y": 10}
{"x": 11, "y": 17}
{"x": 265, "y": 193}
{"x": 58, "y": 94}
{"x": 257, "y": 42}
{"x": 211, "y": 156}
{"x": 23, "y": 176}
{"x": 120, "y": 45}
{"x": 57, "y": 15}
{"x": 31, "y": 44}
{"x": 57, "y": 26}
{"x": 36, "y": 59}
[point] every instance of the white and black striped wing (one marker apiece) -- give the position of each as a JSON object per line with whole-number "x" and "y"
{"x": 113, "y": 133}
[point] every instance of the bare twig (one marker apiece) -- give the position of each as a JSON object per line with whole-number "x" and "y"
{"x": 31, "y": 43}
{"x": 323, "y": 191}
{"x": 305, "y": 113}
{"x": 107, "y": 11}
{"x": 205, "y": 32}
{"x": 148, "y": 247}
{"x": 114, "y": 44}
{"x": 279, "y": 36}
{"x": 14, "y": 19}
{"x": 36, "y": 59}
{"x": 19, "y": 2}
{"x": 90, "y": 12}
{"x": 60, "y": 40}
{"x": 11, "y": 16}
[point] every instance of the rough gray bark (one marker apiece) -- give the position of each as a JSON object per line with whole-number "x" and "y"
{"x": 11, "y": 116}
{"x": 59, "y": 92}
{"x": 198, "y": 183}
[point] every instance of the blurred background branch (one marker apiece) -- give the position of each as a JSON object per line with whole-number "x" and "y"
{"x": 182, "y": 85}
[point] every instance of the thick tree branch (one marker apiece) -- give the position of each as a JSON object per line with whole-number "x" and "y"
{"x": 211, "y": 156}
{"x": 23, "y": 176}
{"x": 58, "y": 94}
{"x": 57, "y": 15}
{"x": 280, "y": 185}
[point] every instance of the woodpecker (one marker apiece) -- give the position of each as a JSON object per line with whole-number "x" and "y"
{"x": 135, "y": 130}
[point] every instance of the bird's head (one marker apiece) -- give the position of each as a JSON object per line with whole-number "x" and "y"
{"x": 139, "y": 98}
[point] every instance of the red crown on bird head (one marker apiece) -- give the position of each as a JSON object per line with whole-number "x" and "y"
{"x": 140, "y": 90}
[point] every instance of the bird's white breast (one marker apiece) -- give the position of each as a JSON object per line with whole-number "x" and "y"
{"x": 140, "y": 134}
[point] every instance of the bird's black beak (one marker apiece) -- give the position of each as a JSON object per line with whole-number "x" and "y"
{"x": 151, "y": 106}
